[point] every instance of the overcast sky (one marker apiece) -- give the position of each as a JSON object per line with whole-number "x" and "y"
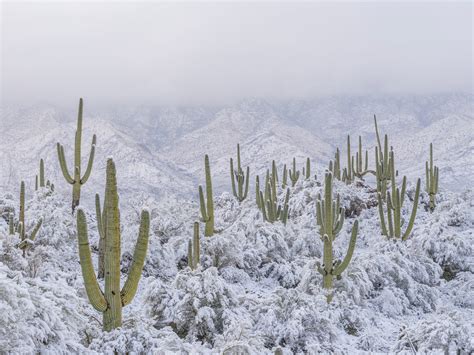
{"x": 218, "y": 53}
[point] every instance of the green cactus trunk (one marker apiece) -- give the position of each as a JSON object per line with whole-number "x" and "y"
{"x": 308, "y": 169}
{"x": 111, "y": 301}
{"x": 76, "y": 180}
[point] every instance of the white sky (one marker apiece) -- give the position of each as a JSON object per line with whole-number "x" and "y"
{"x": 216, "y": 53}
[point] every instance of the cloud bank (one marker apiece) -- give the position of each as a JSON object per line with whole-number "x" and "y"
{"x": 215, "y": 53}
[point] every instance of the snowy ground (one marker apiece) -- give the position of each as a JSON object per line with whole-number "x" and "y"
{"x": 257, "y": 288}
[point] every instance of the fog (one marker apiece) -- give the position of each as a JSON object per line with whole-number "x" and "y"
{"x": 217, "y": 53}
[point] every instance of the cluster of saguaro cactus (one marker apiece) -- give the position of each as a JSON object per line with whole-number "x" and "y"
{"x": 75, "y": 179}
{"x": 40, "y": 179}
{"x": 330, "y": 219}
{"x": 294, "y": 174}
{"x": 112, "y": 299}
{"x": 194, "y": 249}
{"x": 307, "y": 169}
{"x": 267, "y": 200}
{"x": 25, "y": 238}
{"x": 241, "y": 189}
{"x": 207, "y": 209}
{"x": 432, "y": 175}
{"x": 382, "y": 163}
{"x": 359, "y": 166}
{"x": 394, "y": 205}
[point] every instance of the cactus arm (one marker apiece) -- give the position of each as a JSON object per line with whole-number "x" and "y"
{"x": 190, "y": 255}
{"x": 389, "y": 214}
{"x": 131, "y": 285}
{"x": 35, "y": 230}
{"x": 95, "y": 295}
{"x": 350, "y": 250}
{"x": 63, "y": 164}
{"x": 202, "y": 205}
{"x": 262, "y": 205}
{"x": 340, "y": 222}
{"x": 411, "y": 222}
{"x": 87, "y": 174}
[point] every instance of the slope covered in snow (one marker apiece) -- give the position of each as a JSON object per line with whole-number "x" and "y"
{"x": 258, "y": 288}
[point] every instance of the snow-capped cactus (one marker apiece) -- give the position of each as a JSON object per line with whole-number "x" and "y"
{"x": 26, "y": 239}
{"x": 112, "y": 299}
{"x": 394, "y": 206}
{"x": 294, "y": 174}
{"x": 242, "y": 189}
{"x": 207, "y": 207}
{"x": 194, "y": 249}
{"x": 432, "y": 175}
{"x": 330, "y": 219}
{"x": 356, "y": 163}
{"x": 75, "y": 179}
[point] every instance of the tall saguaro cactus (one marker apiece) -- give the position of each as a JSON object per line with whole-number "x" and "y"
{"x": 348, "y": 176}
{"x": 308, "y": 169}
{"x": 395, "y": 200}
{"x": 110, "y": 301}
{"x": 432, "y": 175}
{"x": 194, "y": 249}
{"x": 294, "y": 174}
{"x": 330, "y": 219}
{"x": 242, "y": 189}
{"x": 25, "y": 238}
{"x": 207, "y": 209}
{"x": 75, "y": 179}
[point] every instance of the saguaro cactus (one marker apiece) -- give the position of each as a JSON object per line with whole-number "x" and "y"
{"x": 11, "y": 224}
{"x": 395, "y": 201}
{"x": 25, "y": 238}
{"x": 194, "y": 249}
{"x": 207, "y": 212}
{"x": 112, "y": 299}
{"x": 348, "y": 177}
{"x": 284, "y": 180}
{"x": 41, "y": 174}
{"x": 330, "y": 219}
{"x": 76, "y": 180}
{"x": 432, "y": 175}
{"x": 240, "y": 192}
{"x": 294, "y": 174}
{"x": 308, "y": 169}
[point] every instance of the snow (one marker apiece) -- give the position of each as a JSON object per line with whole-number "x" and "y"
{"x": 257, "y": 288}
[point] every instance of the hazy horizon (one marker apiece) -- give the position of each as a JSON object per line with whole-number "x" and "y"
{"x": 213, "y": 54}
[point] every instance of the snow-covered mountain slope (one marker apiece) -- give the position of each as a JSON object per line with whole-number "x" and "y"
{"x": 257, "y": 288}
